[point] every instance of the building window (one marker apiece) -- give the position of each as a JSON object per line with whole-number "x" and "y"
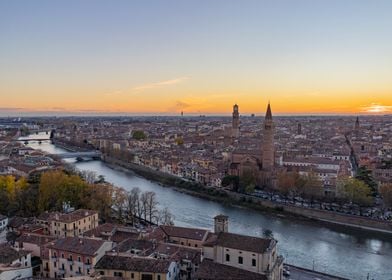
{"x": 132, "y": 275}
{"x": 70, "y": 267}
{"x": 79, "y": 259}
{"x": 253, "y": 262}
{"x": 227, "y": 257}
{"x": 117, "y": 274}
{"x": 102, "y": 272}
{"x": 240, "y": 260}
{"x": 159, "y": 277}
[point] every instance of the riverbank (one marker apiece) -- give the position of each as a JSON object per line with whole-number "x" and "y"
{"x": 305, "y": 243}
{"x": 243, "y": 200}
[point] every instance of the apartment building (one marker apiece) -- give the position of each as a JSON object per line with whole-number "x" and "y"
{"x": 69, "y": 224}
{"x": 73, "y": 256}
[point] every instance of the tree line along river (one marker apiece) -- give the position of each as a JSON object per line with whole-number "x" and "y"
{"x": 346, "y": 252}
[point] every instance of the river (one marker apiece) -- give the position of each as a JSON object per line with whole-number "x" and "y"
{"x": 341, "y": 251}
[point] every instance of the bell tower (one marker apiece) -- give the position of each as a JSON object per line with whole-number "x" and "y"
{"x": 221, "y": 223}
{"x": 236, "y": 122}
{"x": 268, "y": 141}
{"x": 356, "y": 126}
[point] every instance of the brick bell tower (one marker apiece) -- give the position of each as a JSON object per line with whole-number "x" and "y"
{"x": 268, "y": 141}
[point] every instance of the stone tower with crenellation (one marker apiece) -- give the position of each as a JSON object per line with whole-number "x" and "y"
{"x": 236, "y": 122}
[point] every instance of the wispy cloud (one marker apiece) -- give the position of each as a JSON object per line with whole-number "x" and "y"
{"x": 160, "y": 84}
{"x": 376, "y": 108}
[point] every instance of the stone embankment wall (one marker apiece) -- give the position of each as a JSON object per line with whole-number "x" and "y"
{"x": 321, "y": 215}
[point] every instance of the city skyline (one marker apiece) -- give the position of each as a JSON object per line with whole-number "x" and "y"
{"x": 100, "y": 58}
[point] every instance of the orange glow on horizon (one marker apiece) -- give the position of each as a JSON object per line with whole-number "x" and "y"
{"x": 179, "y": 94}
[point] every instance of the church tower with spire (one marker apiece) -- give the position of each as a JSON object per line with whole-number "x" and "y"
{"x": 356, "y": 126}
{"x": 236, "y": 122}
{"x": 268, "y": 150}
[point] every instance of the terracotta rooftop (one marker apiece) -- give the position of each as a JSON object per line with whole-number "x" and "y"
{"x": 9, "y": 254}
{"x": 73, "y": 216}
{"x": 133, "y": 264}
{"x": 182, "y": 232}
{"x": 209, "y": 270}
{"x": 83, "y": 246}
{"x": 239, "y": 242}
{"x": 103, "y": 231}
{"x": 38, "y": 239}
{"x": 132, "y": 244}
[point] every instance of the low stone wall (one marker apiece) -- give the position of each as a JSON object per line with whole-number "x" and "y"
{"x": 321, "y": 215}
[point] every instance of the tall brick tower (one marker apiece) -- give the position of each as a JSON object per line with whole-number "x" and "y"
{"x": 236, "y": 122}
{"x": 356, "y": 126}
{"x": 268, "y": 141}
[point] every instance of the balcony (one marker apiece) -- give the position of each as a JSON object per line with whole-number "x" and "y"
{"x": 70, "y": 261}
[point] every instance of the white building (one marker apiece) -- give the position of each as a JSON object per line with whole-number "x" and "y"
{"x": 3, "y": 222}
{"x": 253, "y": 254}
{"x": 14, "y": 264}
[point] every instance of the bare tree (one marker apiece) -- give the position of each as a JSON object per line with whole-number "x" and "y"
{"x": 89, "y": 176}
{"x": 165, "y": 217}
{"x": 120, "y": 198}
{"x": 143, "y": 206}
{"x": 149, "y": 205}
{"x": 133, "y": 203}
{"x": 152, "y": 204}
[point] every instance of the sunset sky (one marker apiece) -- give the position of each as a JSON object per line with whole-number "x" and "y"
{"x": 199, "y": 56}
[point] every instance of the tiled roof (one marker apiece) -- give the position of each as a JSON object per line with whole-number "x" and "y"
{"x": 73, "y": 216}
{"x": 38, "y": 239}
{"x": 9, "y": 254}
{"x": 129, "y": 244}
{"x": 103, "y": 231}
{"x": 182, "y": 232}
{"x": 240, "y": 242}
{"x": 83, "y": 246}
{"x": 209, "y": 270}
{"x": 133, "y": 264}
